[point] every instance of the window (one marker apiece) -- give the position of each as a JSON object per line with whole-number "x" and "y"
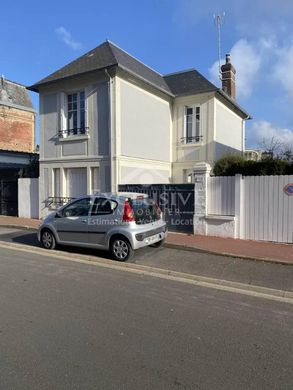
{"x": 80, "y": 208}
{"x": 56, "y": 181}
{"x": 103, "y": 206}
{"x": 145, "y": 210}
{"x": 192, "y": 125}
{"x": 76, "y": 113}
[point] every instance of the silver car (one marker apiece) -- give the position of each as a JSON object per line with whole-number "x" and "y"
{"x": 121, "y": 223}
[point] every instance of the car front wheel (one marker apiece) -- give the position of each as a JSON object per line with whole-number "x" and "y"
{"x": 121, "y": 249}
{"x": 48, "y": 239}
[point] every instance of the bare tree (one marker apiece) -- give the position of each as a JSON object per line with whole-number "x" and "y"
{"x": 273, "y": 146}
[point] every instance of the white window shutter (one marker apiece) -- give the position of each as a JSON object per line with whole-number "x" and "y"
{"x": 63, "y": 111}
{"x": 87, "y": 92}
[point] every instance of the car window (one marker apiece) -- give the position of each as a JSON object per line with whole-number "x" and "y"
{"x": 145, "y": 210}
{"x": 103, "y": 206}
{"x": 80, "y": 208}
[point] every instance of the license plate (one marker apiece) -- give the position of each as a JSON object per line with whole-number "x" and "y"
{"x": 154, "y": 238}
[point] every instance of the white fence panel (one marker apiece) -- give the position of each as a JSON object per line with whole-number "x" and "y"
{"x": 268, "y": 210}
{"x": 221, "y": 195}
{"x": 28, "y": 198}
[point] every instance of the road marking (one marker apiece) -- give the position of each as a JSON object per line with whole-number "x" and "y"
{"x": 202, "y": 281}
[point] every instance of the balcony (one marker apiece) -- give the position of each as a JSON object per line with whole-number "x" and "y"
{"x": 77, "y": 132}
{"x": 191, "y": 140}
{"x": 54, "y": 202}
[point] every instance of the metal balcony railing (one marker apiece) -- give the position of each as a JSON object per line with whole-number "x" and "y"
{"x": 73, "y": 132}
{"x": 54, "y": 202}
{"x": 191, "y": 140}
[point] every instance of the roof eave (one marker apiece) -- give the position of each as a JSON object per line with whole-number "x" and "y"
{"x": 35, "y": 87}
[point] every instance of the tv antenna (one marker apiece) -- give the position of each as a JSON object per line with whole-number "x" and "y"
{"x": 219, "y": 20}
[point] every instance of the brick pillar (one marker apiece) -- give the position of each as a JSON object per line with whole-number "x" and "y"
{"x": 201, "y": 172}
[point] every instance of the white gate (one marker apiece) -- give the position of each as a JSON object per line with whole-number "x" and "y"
{"x": 221, "y": 195}
{"x": 268, "y": 210}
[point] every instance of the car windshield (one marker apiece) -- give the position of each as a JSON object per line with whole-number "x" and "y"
{"x": 145, "y": 210}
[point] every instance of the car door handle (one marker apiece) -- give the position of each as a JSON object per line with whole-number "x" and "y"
{"x": 84, "y": 221}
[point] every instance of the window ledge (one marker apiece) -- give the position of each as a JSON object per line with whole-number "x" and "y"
{"x": 221, "y": 217}
{"x": 74, "y": 138}
{"x": 190, "y": 144}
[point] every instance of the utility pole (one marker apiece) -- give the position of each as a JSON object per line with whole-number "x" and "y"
{"x": 219, "y": 20}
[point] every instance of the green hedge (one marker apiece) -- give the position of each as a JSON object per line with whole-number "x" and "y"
{"x": 235, "y": 164}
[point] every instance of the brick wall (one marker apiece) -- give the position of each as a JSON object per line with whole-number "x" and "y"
{"x": 17, "y": 129}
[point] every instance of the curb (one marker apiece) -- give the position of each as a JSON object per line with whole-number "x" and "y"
{"x": 21, "y": 227}
{"x": 187, "y": 248}
{"x": 284, "y": 296}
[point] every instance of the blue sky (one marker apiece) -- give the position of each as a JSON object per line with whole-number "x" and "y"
{"x": 168, "y": 35}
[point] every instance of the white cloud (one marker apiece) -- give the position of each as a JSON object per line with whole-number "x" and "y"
{"x": 283, "y": 69}
{"x": 246, "y": 58}
{"x": 67, "y": 38}
{"x": 266, "y": 131}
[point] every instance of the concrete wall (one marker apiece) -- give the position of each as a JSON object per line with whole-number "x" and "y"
{"x": 87, "y": 151}
{"x": 228, "y": 131}
{"x": 142, "y": 132}
{"x": 28, "y": 198}
{"x": 17, "y": 129}
{"x": 53, "y": 117}
{"x": 145, "y": 124}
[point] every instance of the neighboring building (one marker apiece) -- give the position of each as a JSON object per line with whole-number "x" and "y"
{"x": 17, "y": 128}
{"x": 257, "y": 155}
{"x": 108, "y": 119}
{"x": 253, "y": 155}
{"x": 17, "y": 118}
{"x": 17, "y": 140}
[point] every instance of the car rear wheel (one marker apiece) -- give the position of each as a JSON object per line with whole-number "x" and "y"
{"x": 48, "y": 239}
{"x": 121, "y": 249}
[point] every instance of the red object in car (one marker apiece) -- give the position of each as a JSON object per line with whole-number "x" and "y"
{"x": 128, "y": 215}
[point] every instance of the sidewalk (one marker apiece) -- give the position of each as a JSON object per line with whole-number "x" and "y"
{"x": 258, "y": 250}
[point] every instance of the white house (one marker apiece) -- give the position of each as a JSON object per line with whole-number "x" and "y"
{"x": 108, "y": 119}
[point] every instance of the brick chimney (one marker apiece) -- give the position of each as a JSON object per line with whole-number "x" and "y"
{"x": 228, "y": 77}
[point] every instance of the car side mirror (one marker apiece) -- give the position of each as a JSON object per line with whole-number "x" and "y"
{"x": 58, "y": 214}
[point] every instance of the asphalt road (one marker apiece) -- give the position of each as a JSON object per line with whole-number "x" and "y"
{"x": 66, "y": 325}
{"x": 259, "y": 273}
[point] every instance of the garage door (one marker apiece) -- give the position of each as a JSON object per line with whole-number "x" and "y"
{"x": 76, "y": 182}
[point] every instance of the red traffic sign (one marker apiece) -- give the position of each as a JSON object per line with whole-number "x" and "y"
{"x": 288, "y": 189}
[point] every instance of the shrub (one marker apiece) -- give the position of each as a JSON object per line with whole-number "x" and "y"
{"x": 231, "y": 165}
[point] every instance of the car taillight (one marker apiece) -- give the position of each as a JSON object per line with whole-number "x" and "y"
{"x": 128, "y": 213}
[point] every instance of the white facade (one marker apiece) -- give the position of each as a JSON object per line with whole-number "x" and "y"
{"x": 221, "y": 131}
{"x": 134, "y": 134}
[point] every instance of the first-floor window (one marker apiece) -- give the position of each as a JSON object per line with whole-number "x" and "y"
{"x": 56, "y": 181}
{"x": 192, "y": 124}
{"x": 76, "y": 112}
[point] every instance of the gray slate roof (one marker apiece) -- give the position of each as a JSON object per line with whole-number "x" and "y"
{"x": 108, "y": 55}
{"x": 188, "y": 82}
{"x": 14, "y": 94}
{"x": 105, "y": 56}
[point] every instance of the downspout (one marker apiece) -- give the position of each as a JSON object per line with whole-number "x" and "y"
{"x": 111, "y": 124}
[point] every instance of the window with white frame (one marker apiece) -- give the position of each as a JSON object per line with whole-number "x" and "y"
{"x": 76, "y": 113}
{"x": 191, "y": 124}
